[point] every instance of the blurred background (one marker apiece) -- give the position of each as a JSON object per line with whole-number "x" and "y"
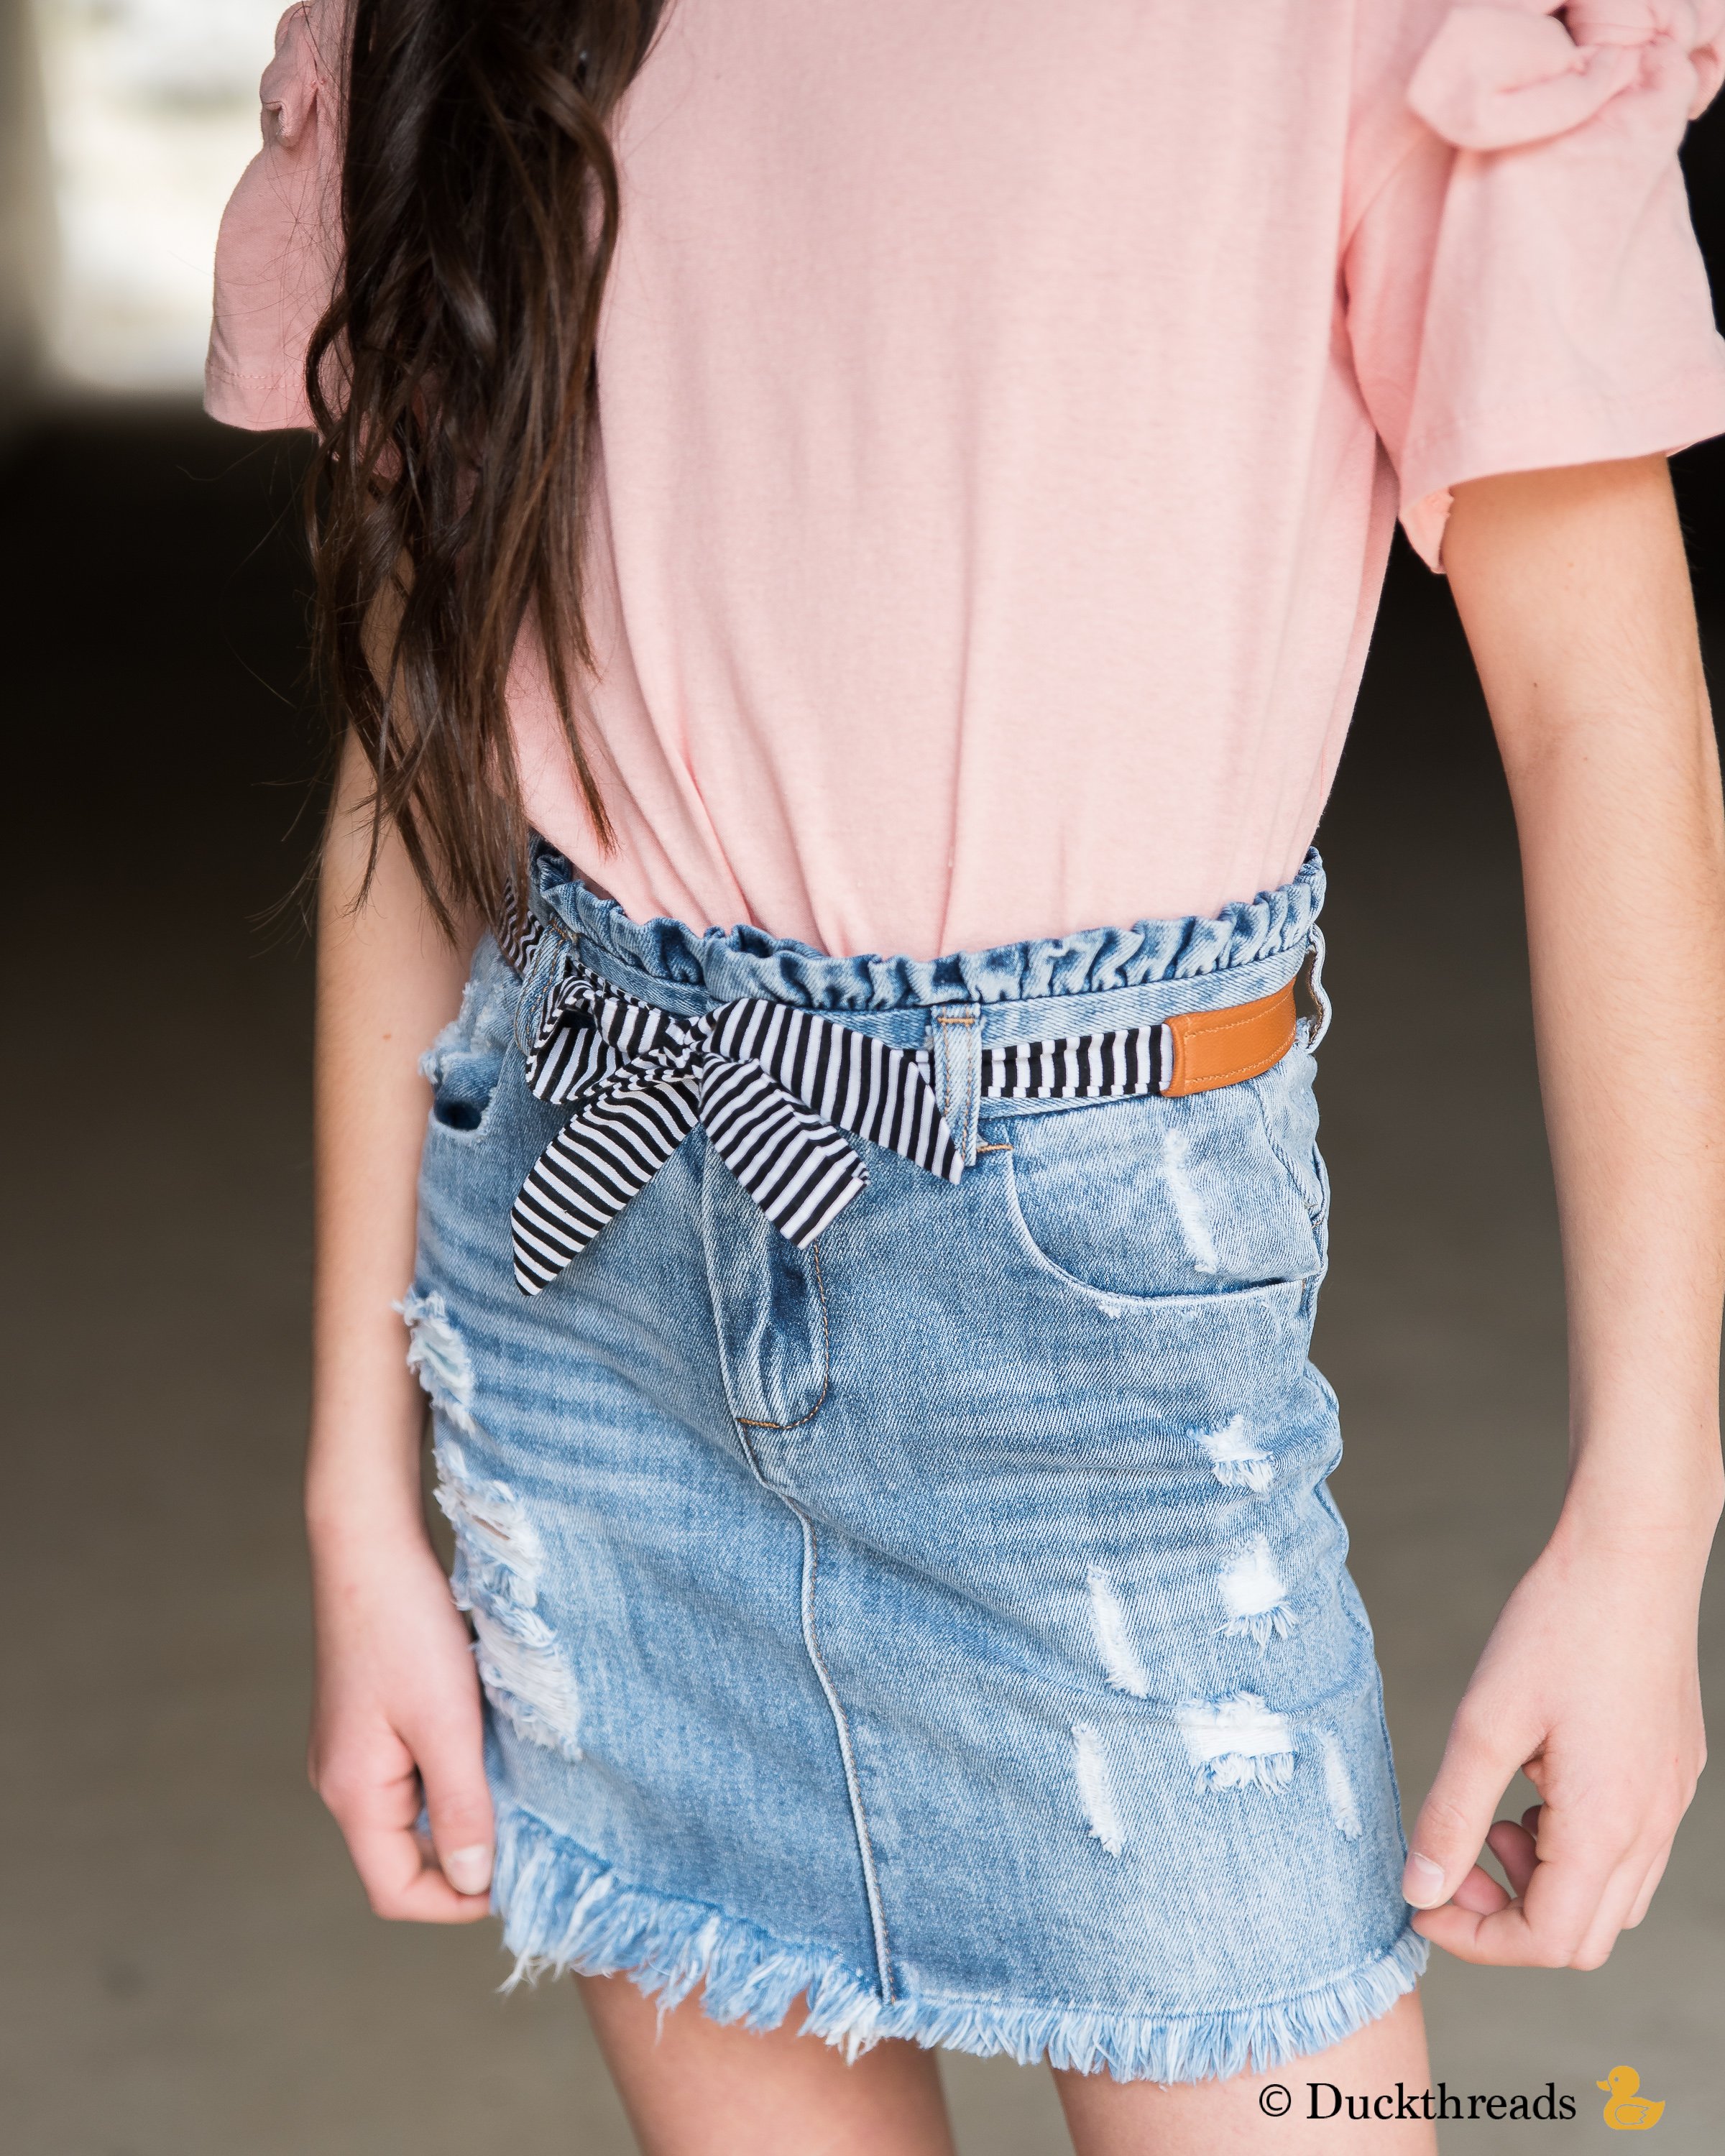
{"x": 191, "y": 1970}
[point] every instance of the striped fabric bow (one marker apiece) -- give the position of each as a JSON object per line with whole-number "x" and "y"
{"x": 775, "y": 1088}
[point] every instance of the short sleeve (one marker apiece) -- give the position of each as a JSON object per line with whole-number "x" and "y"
{"x": 278, "y": 248}
{"x": 1523, "y": 287}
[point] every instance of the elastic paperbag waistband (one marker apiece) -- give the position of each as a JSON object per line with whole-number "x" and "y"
{"x": 645, "y": 1030}
{"x": 1098, "y": 978}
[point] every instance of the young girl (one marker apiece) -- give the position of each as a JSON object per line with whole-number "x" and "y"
{"x": 846, "y": 541}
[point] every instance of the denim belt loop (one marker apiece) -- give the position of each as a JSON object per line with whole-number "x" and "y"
{"x": 955, "y": 1039}
{"x": 1314, "y": 1029}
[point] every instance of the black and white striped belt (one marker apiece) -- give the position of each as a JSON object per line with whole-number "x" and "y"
{"x": 777, "y": 1089}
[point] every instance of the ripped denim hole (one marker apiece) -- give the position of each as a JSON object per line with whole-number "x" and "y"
{"x": 438, "y": 1356}
{"x": 1237, "y": 1742}
{"x": 1187, "y": 1206}
{"x": 1237, "y": 1460}
{"x": 1253, "y": 1595}
{"x": 498, "y": 1558}
{"x": 1120, "y": 1658}
{"x": 1338, "y": 1787}
{"x": 1095, "y": 1787}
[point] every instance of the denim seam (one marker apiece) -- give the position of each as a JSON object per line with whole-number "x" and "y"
{"x": 841, "y": 1724}
{"x": 754, "y": 1422}
{"x": 1316, "y": 1213}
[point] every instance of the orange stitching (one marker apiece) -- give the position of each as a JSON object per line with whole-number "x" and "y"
{"x": 1195, "y": 1021}
{"x": 753, "y": 1422}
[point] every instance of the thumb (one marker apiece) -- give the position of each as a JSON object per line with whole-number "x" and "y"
{"x": 1451, "y": 1828}
{"x": 452, "y": 1772}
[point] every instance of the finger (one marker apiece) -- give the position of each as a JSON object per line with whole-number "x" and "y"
{"x": 1649, "y": 1885}
{"x": 1480, "y": 1892}
{"x": 1495, "y": 1938}
{"x": 1613, "y": 1914}
{"x": 399, "y": 1883}
{"x": 1545, "y": 1926}
{"x": 1450, "y": 1830}
{"x": 1584, "y": 1885}
{"x": 453, "y": 1769}
{"x": 1516, "y": 1850}
{"x": 376, "y": 1806}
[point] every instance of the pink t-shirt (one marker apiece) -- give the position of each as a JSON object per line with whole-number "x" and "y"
{"x": 1004, "y": 413}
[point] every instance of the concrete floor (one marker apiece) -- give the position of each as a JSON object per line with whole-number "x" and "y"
{"x": 191, "y": 1970}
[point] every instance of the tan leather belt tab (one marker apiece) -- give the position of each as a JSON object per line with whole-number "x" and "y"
{"x": 1222, "y": 1047}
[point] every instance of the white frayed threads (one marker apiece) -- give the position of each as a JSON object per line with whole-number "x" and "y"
{"x": 1095, "y": 1787}
{"x": 1255, "y": 1596}
{"x": 1338, "y": 1787}
{"x": 524, "y": 1676}
{"x": 499, "y": 1547}
{"x": 438, "y": 1356}
{"x": 1237, "y": 1744}
{"x": 498, "y": 1555}
{"x": 1188, "y": 1208}
{"x": 1107, "y": 1619}
{"x": 1237, "y": 1458}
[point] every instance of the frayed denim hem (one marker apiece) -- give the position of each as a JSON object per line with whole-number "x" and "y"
{"x": 565, "y": 1911}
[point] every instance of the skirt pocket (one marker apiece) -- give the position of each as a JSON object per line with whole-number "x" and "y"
{"x": 1149, "y": 1198}
{"x": 464, "y": 1065}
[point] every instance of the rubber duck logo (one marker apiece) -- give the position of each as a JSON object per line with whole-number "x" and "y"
{"x": 1623, "y": 2109}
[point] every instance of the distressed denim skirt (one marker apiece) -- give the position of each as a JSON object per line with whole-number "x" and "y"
{"x": 940, "y": 1627}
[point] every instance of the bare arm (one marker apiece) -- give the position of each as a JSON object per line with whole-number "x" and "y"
{"x": 397, "y": 1700}
{"x": 1574, "y": 592}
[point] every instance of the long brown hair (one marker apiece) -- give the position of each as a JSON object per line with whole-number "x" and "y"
{"x": 452, "y": 380}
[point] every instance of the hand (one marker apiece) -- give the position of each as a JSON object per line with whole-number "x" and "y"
{"x": 1589, "y": 1684}
{"x": 397, "y": 1710}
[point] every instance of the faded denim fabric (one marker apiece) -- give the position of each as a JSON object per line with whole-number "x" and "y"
{"x": 949, "y": 1623}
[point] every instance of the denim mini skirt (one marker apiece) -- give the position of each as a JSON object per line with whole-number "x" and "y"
{"x": 943, "y": 1628}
